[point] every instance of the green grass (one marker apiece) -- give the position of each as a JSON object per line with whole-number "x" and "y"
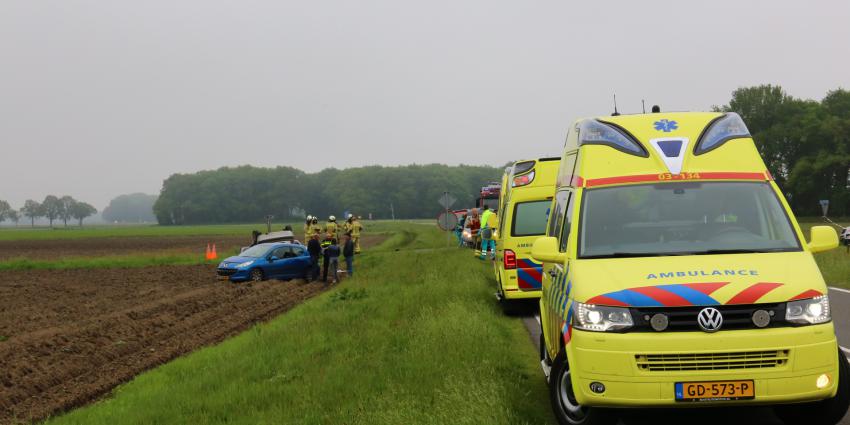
{"x": 43, "y": 233}
{"x": 414, "y": 338}
{"x": 396, "y": 231}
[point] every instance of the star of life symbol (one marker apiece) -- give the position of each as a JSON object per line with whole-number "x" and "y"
{"x": 666, "y": 125}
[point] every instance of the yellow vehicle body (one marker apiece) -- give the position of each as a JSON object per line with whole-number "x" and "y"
{"x": 646, "y": 367}
{"x": 525, "y": 198}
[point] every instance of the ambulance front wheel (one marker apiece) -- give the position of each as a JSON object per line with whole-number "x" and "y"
{"x": 567, "y": 410}
{"x": 824, "y": 412}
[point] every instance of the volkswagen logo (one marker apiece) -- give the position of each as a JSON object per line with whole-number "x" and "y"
{"x": 710, "y": 319}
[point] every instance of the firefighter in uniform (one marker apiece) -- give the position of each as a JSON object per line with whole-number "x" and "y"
{"x": 346, "y": 226}
{"x": 356, "y": 228}
{"x": 308, "y": 228}
{"x": 315, "y": 228}
{"x": 331, "y": 228}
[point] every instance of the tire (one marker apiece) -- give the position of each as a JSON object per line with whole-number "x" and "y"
{"x": 509, "y": 308}
{"x": 256, "y": 275}
{"x": 564, "y": 405}
{"x": 824, "y": 412}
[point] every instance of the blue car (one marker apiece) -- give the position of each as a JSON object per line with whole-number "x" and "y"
{"x": 267, "y": 261}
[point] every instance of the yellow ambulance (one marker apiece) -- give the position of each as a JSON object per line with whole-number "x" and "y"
{"x": 522, "y": 219}
{"x": 676, "y": 275}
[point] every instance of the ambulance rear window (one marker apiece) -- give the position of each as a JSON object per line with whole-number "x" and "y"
{"x": 530, "y": 218}
{"x": 684, "y": 218}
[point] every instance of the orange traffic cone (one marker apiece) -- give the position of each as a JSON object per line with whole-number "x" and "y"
{"x": 208, "y": 254}
{"x": 213, "y": 255}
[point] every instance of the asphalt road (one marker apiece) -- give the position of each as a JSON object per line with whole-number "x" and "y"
{"x": 840, "y": 304}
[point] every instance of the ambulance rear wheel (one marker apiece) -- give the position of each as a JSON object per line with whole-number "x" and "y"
{"x": 509, "y": 308}
{"x": 562, "y": 396}
{"x": 824, "y": 412}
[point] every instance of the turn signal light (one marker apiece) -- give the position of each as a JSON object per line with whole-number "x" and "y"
{"x": 509, "y": 260}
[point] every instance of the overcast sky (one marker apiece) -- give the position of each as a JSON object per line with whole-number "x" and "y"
{"x": 102, "y": 98}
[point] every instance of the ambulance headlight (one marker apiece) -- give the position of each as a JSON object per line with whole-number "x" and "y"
{"x": 594, "y": 132}
{"x": 599, "y": 318}
{"x": 808, "y": 312}
{"x": 721, "y": 130}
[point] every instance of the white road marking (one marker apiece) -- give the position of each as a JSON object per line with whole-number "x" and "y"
{"x": 537, "y": 317}
{"x": 845, "y": 350}
{"x": 832, "y": 288}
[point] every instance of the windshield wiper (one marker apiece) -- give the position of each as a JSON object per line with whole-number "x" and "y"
{"x": 732, "y": 251}
{"x": 635, "y": 254}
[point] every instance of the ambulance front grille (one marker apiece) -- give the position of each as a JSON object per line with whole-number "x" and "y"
{"x": 672, "y": 362}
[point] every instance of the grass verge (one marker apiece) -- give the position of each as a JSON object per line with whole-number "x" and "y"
{"x": 415, "y": 337}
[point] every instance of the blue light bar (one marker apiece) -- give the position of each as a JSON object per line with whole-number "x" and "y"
{"x": 594, "y": 132}
{"x": 723, "y": 129}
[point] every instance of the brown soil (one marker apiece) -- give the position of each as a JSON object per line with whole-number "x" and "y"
{"x": 73, "y": 335}
{"x": 92, "y": 247}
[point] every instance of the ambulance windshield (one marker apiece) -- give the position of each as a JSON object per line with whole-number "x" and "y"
{"x": 683, "y": 218}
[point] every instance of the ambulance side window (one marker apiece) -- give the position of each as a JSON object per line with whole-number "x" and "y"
{"x": 568, "y": 165}
{"x": 568, "y": 221}
{"x": 556, "y": 216}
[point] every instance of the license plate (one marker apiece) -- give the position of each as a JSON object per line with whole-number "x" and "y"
{"x": 715, "y": 390}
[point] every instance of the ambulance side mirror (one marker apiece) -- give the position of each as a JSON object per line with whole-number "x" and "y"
{"x": 823, "y": 238}
{"x": 545, "y": 250}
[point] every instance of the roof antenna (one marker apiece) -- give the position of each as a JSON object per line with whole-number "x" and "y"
{"x": 643, "y": 105}
{"x": 656, "y": 109}
{"x": 615, "y": 106}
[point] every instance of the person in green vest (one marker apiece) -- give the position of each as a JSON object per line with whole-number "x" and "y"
{"x": 488, "y": 226}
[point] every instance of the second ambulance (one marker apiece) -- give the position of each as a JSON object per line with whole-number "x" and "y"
{"x": 526, "y": 195}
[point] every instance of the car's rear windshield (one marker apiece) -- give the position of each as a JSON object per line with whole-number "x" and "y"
{"x": 683, "y": 218}
{"x": 255, "y": 251}
{"x": 530, "y": 218}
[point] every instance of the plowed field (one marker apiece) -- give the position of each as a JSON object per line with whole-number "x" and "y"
{"x": 68, "y": 337}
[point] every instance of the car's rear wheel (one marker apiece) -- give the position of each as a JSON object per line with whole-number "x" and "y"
{"x": 562, "y": 396}
{"x": 824, "y": 412}
{"x": 256, "y": 275}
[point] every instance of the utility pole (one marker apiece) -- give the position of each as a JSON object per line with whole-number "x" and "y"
{"x": 392, "y": 211}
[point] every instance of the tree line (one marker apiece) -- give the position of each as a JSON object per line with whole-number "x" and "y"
{"x": 131, "y": 208}
{"x": 52, "y": 208}
{"x": 246, "y": 193}
{"x": 805, "y": 144}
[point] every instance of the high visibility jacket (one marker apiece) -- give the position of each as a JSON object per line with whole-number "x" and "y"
{"x": 330, "y": 227}
{"x": 485, "y": 219}
{"x": 356, "y": 227}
